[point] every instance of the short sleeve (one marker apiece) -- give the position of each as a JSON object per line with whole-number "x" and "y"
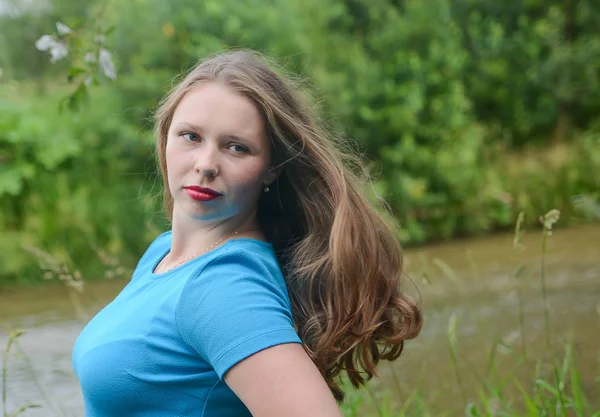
{"x": 236, "y": 306}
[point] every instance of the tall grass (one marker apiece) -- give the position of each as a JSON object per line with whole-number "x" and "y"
{"x": 12, "y": 339}
{"x": 547, "y": 221}
{"x": 555, "y": 390}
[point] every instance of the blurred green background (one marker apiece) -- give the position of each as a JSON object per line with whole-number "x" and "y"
{"x": 469, "y": 111}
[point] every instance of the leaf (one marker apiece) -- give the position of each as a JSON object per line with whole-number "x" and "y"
{"x": 110, "y": 30}
{"x": 79, "y": 96}
{"x": 74, "y": 72}
{"x": 65, "y": 146}
{"x": 11, "y": 180}
{"x": 63, "y": 103}
{"x": 544, "y": 385}
{"x": 579, "y": 399}
{"x": 528, "y": 401}
{"x": 471, "y": 410}
{"x": 76, "y": 23}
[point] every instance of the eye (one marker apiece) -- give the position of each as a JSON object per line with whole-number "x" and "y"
{"x": 237, "y": 148}
{"x": 190, "y": 137}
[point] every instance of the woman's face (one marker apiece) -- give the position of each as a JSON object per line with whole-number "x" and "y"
{"x": 217, "y": 155}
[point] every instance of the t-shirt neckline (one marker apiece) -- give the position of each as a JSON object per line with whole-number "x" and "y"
{"x": 201, "y": 256}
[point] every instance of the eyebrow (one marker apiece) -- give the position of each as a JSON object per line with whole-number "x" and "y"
{"x": 187, "y": 125}
{"x": 197, "y": 128}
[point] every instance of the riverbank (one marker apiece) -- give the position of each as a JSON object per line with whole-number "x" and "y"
{"x": 468, "y": 282}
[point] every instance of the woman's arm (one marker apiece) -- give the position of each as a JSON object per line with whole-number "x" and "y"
{"x": 282, "y": 381}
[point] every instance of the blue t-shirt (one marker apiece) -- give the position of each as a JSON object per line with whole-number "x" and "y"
{"x": 161, "y": 348}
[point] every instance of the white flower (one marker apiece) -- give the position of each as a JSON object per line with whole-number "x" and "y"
{"x": 107, "y": 65}
{"x": 90, "y": 58}
{"x": 45, "y": 42}
{"x": 62, "y": 28}
{"x": 58, "y": 50}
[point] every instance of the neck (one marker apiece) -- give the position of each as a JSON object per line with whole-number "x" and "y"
{"x": 190, "y": 236}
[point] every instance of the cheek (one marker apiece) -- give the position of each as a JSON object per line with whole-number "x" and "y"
{"x": 175, "y": 159}
{"x": 250, "y": 176}
{"x": 171, "y": 150}
{"x": 168, "y": 156}
{"x": 175, "y": 169}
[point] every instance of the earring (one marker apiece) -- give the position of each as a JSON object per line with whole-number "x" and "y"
{"x": 266, "y": 189}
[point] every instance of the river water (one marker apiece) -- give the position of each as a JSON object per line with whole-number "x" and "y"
{"x": 471, "y": 280}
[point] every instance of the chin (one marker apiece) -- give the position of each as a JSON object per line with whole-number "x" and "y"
{"x": 203, "y": 216}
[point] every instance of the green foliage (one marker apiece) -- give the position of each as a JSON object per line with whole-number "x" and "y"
{"x": 469, "y": 111}
{"x": 71, "y": 189}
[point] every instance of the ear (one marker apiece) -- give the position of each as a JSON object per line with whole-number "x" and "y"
{"x": 271, "y": 175}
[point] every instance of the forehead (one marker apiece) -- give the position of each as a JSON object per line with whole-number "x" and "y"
{"x": 219, "y": 109}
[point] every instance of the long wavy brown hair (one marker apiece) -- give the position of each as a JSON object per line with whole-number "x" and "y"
{"x": 342, "y": 262}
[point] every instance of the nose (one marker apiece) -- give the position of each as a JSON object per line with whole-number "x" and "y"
{"x": 207, "y": 160}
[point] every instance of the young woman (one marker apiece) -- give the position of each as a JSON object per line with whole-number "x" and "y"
{"x": 277, "y": 277}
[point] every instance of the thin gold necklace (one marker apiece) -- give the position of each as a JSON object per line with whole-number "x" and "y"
{"x": 201, "y": 252}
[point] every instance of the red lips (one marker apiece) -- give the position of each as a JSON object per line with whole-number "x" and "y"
{"x": 201, "y": 193}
